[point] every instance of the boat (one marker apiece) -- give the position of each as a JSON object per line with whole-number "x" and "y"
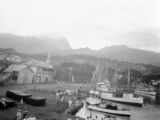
{"x": 93, "y": 100}
{"x": 127, "y": 98}
{"x": 83, "y": 112}
{"x": 111, "y": 110}
{"x": 86, "y": 113}
{"x": 107, "y": 93}
{"x": 124, "y": 98}
{"x": 74, "y": 109}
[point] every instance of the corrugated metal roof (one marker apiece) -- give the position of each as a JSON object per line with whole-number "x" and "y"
{"x": 15, "y": 68}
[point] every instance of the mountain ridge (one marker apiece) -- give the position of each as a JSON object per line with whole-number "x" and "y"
{"x": 117, "y": 52}
{"x": 32, "y": 44}
{"x": 61, "y": 47}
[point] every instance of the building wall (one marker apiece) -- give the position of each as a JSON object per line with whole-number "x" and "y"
{"x": 43, "y": 78}
{"x": 25, "y": 76}
{"x": 43, "y": 75}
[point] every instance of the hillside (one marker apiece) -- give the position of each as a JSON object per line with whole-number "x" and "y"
{"x": 124, "y": 53}
{"x": 119, "y": 53}
{"x": 33, "y": 44}
{"x": 82, "y": 66}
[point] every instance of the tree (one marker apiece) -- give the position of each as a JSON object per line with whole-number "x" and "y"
{"x": 3, "y": 65}
{"x": 149, "y": 78}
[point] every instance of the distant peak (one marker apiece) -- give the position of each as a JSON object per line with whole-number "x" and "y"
{"x": 120, "y": 46}
{"x": 87, "y": 48}
{"x": 115, "y": 47}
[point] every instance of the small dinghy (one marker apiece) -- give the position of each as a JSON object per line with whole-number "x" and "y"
{"x": 93, "y": 100}
{"x": 110, "y": 109}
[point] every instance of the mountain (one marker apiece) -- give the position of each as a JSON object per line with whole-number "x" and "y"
{"x": 119, "y": 53}
{"x": 124, "y": 53}
{"x": 81, "y": 51}
{"x": 59, "y": 46}
{"x": 33, "y": 44}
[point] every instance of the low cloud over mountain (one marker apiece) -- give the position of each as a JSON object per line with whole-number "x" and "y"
{"x": 33, "y": 44}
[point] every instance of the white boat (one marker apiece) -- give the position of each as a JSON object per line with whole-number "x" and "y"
{"x": 93, "y": 100}
{"x": 110, "y": 111}
{"x": 107, "y": 93}
{"x": 127, "y": 98}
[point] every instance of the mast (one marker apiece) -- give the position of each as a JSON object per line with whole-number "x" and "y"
{"x": 129, "y": 77}
{"x": 48, "y": 60}
{"x": 100, "y": 72}
{"x": 94, "y": 77}
{"x": 97, "y": 75}
{"x": 115, "y": 77}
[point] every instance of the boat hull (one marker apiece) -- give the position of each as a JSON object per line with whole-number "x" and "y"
{"x": 93, "y": 101}
{"x": 128, "y": 101}
{"x": 115, "y": 112}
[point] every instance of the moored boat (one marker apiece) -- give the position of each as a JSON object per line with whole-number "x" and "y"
{"x": 111, "y": 110}
{"x": 127, "y": 98}
{"x": 93, "y": 100}
{"x": 108, "y": 93}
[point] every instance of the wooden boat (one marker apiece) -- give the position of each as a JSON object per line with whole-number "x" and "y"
{"x": 74, "y": 109}
{"x": 35, "y": 101}
{"x": 127, "y": 98}
{"x": 107, "y": 94}
{"x": 93, "y": 100}
{"x": 120, "y": 112}
{"x": 17, "y": 95}
{"x": 8, "y": 103}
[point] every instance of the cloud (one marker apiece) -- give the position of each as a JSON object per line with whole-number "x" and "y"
{"x": 143, "y": 39}
{"x": 92, "y": 23}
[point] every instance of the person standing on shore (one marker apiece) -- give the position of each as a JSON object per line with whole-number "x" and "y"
{"x": 62, "y": 99}
{"x": 25, "y": 114}
{"x": 19, "y": 114}
{"x": 70, "y": 103}
{"x": 4, "y": 102}
{"x": 58, "y": 96}
{"x": 26, "y": 118}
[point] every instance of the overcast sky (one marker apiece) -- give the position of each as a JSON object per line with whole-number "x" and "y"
{"x": 86, "y": 23}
